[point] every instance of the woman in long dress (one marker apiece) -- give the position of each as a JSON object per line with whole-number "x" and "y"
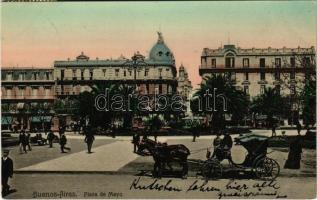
{"x": 294, "y": 155}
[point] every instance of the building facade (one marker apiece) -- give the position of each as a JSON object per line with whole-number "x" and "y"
{"x": 27, "y": 97}
{"x": 252, "y": 70}
{"x": 156, "y": 72}
{"x": 28, "y": 94}
{"x": 184, "y": 87}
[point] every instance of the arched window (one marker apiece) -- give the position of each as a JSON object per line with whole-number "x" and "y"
{"x": 229, "y": 60}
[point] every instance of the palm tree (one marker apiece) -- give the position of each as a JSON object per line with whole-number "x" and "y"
{"x": 271, "y": 104}
{"x": 234, "y": 103}
{"x": 87, "y": 111}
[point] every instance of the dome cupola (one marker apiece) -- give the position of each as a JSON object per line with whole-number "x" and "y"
{"x": 160, "y": 52}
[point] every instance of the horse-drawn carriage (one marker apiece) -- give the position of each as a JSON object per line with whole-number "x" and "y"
{"x": 164, "y": 155}
{"x": 256, "y": 161}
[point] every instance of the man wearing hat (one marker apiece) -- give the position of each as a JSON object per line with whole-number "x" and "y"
{"x": 6, "y": 170}
{"x": 89, "y": 139}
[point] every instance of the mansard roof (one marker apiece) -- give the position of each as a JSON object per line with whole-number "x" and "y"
{"x": 257, "y": 51}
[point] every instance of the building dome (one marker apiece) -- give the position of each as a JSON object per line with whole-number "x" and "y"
{"x": 160, "y": 52}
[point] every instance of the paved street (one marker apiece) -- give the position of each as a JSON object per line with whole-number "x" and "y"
{"x": 113, "y": 166}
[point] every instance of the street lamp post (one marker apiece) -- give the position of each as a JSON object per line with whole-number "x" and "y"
{"x": 136, "y": 62}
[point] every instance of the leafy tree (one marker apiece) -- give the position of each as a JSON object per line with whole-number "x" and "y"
{"x": 308, "y": 97}
{"x": 270, "y": 103}
{"x": 234, "y": 103}
{"x": 85, "y": 104}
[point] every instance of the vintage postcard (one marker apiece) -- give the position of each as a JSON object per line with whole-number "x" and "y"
{"x": 158, "y": 100}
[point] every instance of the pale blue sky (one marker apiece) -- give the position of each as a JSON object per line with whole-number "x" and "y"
{"x": 39, "y": 33}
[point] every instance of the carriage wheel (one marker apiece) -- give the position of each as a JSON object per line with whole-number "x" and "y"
{"x": 211, "y": 170}
{"x": 266, "y": 169}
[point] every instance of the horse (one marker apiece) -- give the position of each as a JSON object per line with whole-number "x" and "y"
{"x": 164, "y": 154}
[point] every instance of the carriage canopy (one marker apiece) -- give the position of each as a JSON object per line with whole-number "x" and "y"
{"x": 253, "y": 143}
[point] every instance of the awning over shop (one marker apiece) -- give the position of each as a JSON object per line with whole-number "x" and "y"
{"x": 6, "y": 120}
{"x": 40, "y": 119}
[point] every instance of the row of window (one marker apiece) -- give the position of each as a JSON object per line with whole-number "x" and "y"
{"x": 22, "y": 76}
{"x": 117, "y": 73}
{"x": 230, "y": 62}
{"x": 277, "y": 87}
{"x": 147, "y": 87}
{"x": 21, "y": 93}
{"x": 232, "y": 76}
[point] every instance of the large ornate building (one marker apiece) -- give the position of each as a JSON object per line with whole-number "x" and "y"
{"x": 25, "y": 90}
{"x": 156, "y": 72}
{"x": 252, "y": 70}
{"x": 27, "y": 96}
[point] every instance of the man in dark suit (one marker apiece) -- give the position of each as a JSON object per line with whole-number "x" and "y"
{"x": 63, "y": 142}
{"x": 135, "y": 141}
{"x": 50, "y": 138}
{"x": 89, "y": 139}
{"x": 22, "y": 141}
{"x": 7, "y": 171}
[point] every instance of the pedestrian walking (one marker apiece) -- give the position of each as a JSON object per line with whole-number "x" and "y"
{"x": 155, "y": 136}
{"x": 6, "y": 172}
{"x": 298, "y": 127}
{"x": 27, "y": 140}
{"x": 294, "y": 155}
{"x": 50, "y": 138}
{"x": 194, "y": 135}
{"x": 135, "y": 141}
{"x": 89, "y": 139}
{"x": 273, "y": 129}
{"x": 61, "y": 130}
{"x": 63, "y": 142}
{"x": 22, "y": 142}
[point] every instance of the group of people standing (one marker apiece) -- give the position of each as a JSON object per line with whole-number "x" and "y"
{"x": 222, "y": 145}
{"x": 24, "y": 141}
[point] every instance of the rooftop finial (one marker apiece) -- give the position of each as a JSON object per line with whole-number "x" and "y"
{"x": 160, "y": 37}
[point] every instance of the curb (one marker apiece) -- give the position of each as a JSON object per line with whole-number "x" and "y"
{"x": 126, "y": 173}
